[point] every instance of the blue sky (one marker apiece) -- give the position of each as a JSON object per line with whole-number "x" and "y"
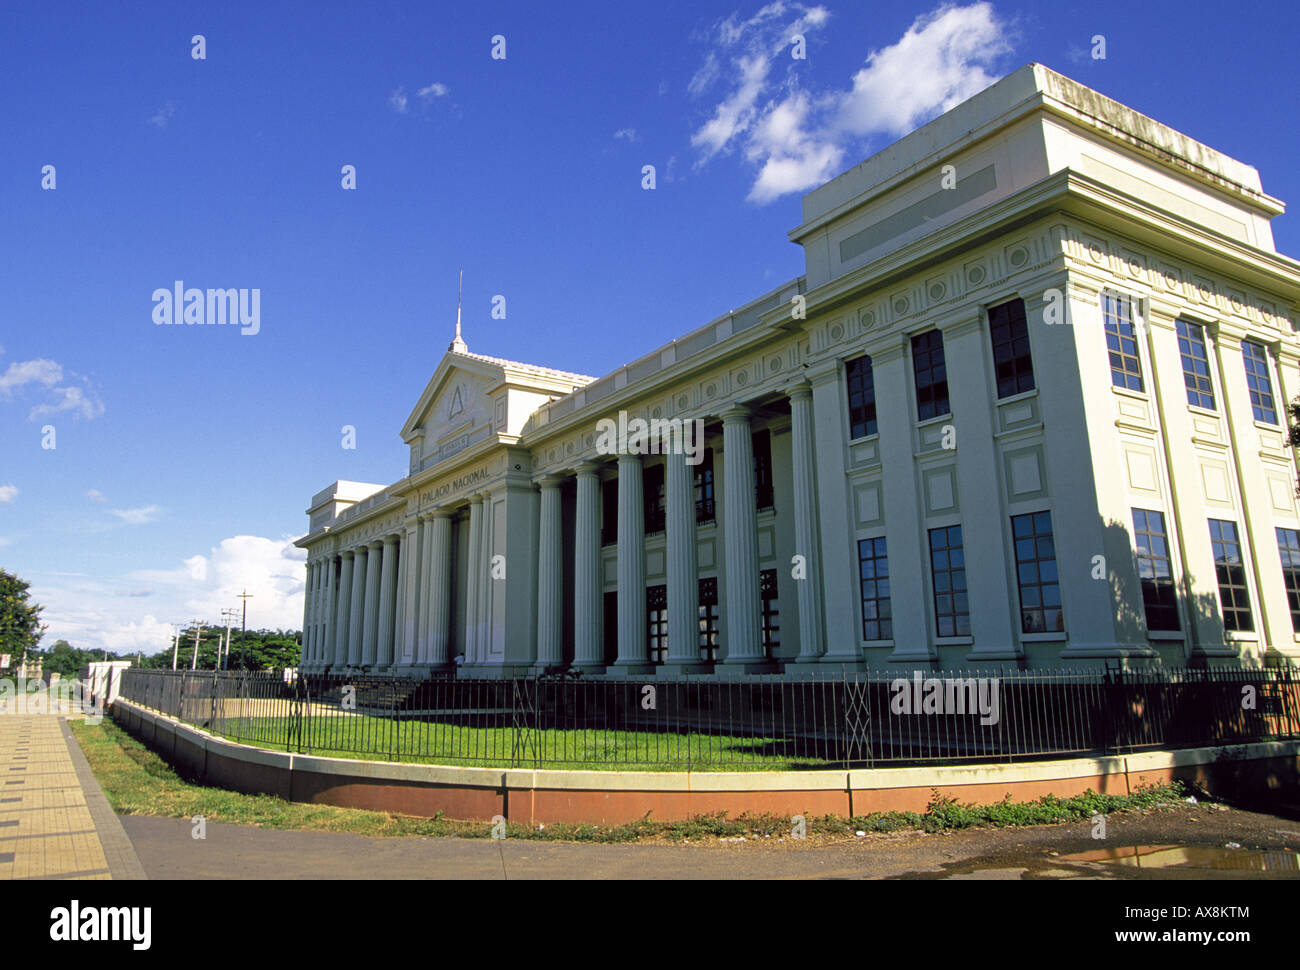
{"x": 184, "y": 457}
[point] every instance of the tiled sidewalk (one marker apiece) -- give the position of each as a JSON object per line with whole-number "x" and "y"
{"x": 55, "y": 822}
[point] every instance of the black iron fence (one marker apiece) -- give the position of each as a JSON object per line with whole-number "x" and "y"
{"x": 768, "y": 722}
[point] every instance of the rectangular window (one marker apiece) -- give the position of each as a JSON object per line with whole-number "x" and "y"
{"x": 609, "y": 512}
{"x": 764, "y": 496}
{"x": 1230, "y": 571}
{"x": 1121, "y": 341}
{"x": 708, "y": 598}
{"x": 653, "y": 491}
{"x": 1159, "y": 601}
{"x": 1196, "y": 365}
{"x": 1013, "y": 367}
{"x": 931, "y": 375}
{"x": 656, "y": 608}
{"x": 948, "y": 570}
{"x": 771, "y": 615}
{"x": 862, "y": 397}
{"x": 1288, "y": 544}
{"x": 873, "y": 575}
{"x": 1258, "y": 382}
{"x": 1040, "y": 588}
{"x": 704, "y": 507}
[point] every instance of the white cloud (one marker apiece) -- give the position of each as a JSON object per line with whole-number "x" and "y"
{"x": 434, "y": 90}
{"x": 398, "y": 100}
{"x": 95, "y": 495}
{"x": 8, "y": 493}
{"x": 163, "y": 115}
{"x": 78, "y": 399}
{"x": 141, "y": 516}
{"x": 942, "y": 60}
{"x": 110, "y": 614}
{"x": 796, "y": 138}
{"x": 47, "y": 373}
{"x": 626, "y": 134}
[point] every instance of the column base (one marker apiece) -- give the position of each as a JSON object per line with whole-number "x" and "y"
{"x": 624, "y": 669}
{"x": 732, "y": 669}
{"x": 686, "y": 668}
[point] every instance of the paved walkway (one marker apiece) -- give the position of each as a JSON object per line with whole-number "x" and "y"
{"x": 55, "y": 822}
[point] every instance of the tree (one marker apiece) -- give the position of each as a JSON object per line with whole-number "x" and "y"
{"x": 20, "y": 621}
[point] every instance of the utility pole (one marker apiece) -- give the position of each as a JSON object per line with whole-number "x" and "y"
{"x": 243, "y": 626}
{"x": 229, "y": 614}
{"x": 176, "y": 642}
{"x": 198, "y": 627}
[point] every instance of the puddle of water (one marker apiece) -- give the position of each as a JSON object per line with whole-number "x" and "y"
{"x": 1191, "y": 857}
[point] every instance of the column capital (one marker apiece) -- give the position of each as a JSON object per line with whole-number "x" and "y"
{"x": 588, "y": 468}
{"x": 375, "y": 544}
{"x": 391, "y": 539}
{"x": 736, "y": 413}
{"x": 798, "y": 391}
{"x": 629, "y": 459}
{"x": 551, "y": 480}
{"x": 347, "y": 553}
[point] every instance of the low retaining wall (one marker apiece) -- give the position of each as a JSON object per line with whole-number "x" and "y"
{"x": 612, "y": 797}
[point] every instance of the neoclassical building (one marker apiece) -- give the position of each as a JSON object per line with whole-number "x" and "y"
{"x": 1027, "y": 405}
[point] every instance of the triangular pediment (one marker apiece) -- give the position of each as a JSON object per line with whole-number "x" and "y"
{"x": 455, "y": 398}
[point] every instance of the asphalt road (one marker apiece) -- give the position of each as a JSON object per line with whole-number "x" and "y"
{"x": 1187, "y": 842}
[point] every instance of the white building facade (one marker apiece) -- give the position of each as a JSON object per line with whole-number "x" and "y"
{"x": 1026, "y": 406}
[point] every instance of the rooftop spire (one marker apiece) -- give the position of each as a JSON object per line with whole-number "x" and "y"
{"x": 459, "y": 346}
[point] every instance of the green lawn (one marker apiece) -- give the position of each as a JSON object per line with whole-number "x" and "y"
{"x": 382, "y": 739}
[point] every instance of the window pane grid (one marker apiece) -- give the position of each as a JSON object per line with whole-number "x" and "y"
{"x": 1159, "y": 601}
{"x": 931, "y": 375}
{"x": 1196, "y": 365}
{"x": 1121, "y": 341}
{"x": 862, "y": 397}
{"x": 1230, "y": 570}
{"x": 1040, "y": 590}
{"x": 873, "y": 575}
{"x": 1258, "y": 382}
{"x": 1288, "y": 544}
{"x": 1012, "y": 364}
{"x": 948, "y": 571}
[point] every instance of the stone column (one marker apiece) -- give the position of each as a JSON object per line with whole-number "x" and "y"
{"x": 399, "y": 614}
{"x": 806, "y": 544}
{"x": 683, "y": 578}
{"x": 440, "y": 590}
{"x": 550, "y": 576}
{"x": 339, "y": 660}
{"x": 586, "y": 573}
{"x": 325, "y": 649}
{"x": 387, "y": 603}
{"x": 631, "y": 562}
{"x": 308, "y": 616}
{"x": 839, "y": 585}
{"x": 473, "y": 578}
{"x": 972, "y": 387}
{"x": 487, "y": 540}
{"x": 740, "y": 524}
{"x": 357, "y": 620}
{"x": 370, "y": 635}
{"x": 429, "y": 578}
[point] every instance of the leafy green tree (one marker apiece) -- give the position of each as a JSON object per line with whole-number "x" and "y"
{"x": 20, "y": 620}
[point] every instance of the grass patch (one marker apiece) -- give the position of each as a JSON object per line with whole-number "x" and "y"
{"x": 368, "y": 738}
{"x": 139, "y": 782}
